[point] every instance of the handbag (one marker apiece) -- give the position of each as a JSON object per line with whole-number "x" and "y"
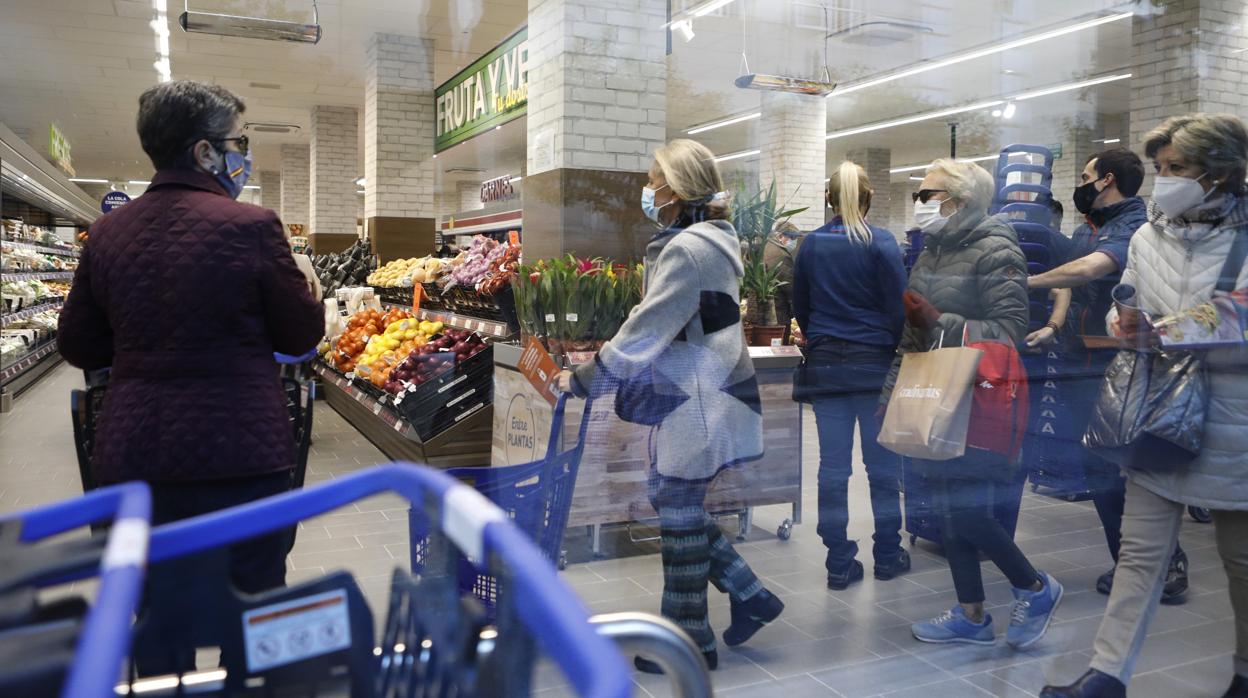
{"x": 1150, "y": 412}
{"x": 641, "y": 399}
{"x": 929, "y": 410}
{"x": 1000, "y": 401}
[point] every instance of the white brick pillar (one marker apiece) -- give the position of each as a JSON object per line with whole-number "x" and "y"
{"x": 792, "y": 138}
{"x": 597, "y": 111}
{"x": 271, "y": 190}
{"x": 293, "y": 185}
{"x": 877, "y": 162}
{"x": 399, "y": 121}
{"x": 1184, "y": 60}
{"x": 334, "y": 153}
{"x": 469, "y": 196}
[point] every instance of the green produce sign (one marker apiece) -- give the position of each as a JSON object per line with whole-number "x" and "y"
{"x": 58, "y": 149}
{"x": 488, "y": 93}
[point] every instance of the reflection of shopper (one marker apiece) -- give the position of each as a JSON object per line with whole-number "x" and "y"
{"x": 684, "y": 345}
{"x": 847, "y": 286}
{"x": 1107, "y": 197}
{"x": 778, "y": 253}
{"x": 971, "y": 278}
{"x": 1199, "y": 208}
{"x": 187, "y": 293}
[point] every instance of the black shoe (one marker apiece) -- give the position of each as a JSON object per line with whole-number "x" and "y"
{"x": 1175, "y": 591}
{"x": 841, "y": 582}
{"x": 897, "y": 566}
{"x": 1093, "y": 684}
{"x": 1105, "y": 582}
{"x": 646, "y": 666}
{"x": 1238, "y": 689}
{"x": 749, "y": 616}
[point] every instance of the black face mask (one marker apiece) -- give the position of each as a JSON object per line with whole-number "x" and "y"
{"x": 1085, "y": 196}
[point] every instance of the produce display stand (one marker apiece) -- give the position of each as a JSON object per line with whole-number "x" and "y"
{"x": 611, "y": 487}
{"x": 445, "y": 423}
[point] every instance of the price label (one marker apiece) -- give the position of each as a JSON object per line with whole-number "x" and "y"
{"x": 571, "y": 317}
{"x": 377, "y": 408}
{"x": 550, "y": 317}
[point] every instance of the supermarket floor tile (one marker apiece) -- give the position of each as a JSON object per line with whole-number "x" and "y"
{"x": 848, "y": 644}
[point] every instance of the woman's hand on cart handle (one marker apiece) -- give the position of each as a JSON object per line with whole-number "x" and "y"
{"x": 563, "y": 382}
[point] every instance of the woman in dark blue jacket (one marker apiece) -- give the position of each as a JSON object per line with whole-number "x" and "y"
{"x": 848, "y": 281}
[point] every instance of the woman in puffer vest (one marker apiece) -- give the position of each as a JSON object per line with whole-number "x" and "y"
{"x": 684, "y": 349}
{"x": 1199, "y": 207}
{"x": 971, "y": 280}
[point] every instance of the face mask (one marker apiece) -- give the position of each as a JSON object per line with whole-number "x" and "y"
{"x": 1178, "y": 195}
{"x": 234, "y": 176}
{"x": 647, "y": 203}
{"x": 1085, "y": 197}
{"x": 927, "y": 216}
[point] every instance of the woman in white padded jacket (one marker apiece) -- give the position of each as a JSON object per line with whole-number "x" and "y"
{"x": 1199, "y": 207}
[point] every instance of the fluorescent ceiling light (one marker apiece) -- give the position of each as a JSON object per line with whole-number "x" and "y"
{"x": 928, "y": 116}
{"x": 737, "y": 156}
{"x": 685, "y": 27}
{"x": 138, "y": 182}
{"x": 708, "y": 7}
{"x": 913, "y": 178}
{"x": 980, "y": 53}
{"x": 916, "y": 168}
{"x": 1107, "y": 141}
{"x": 251, "y": 186}
{"x": 914, "y": 119}
{"x": 360, "y": 182}
{"x": 726, "y": 122}
{"x": 87, "y": 180}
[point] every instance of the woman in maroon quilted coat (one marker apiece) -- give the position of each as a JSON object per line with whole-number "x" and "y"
{"x": 186, "y": 294}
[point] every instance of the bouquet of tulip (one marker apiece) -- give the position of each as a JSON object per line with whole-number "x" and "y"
{"x": 575, "y": 304}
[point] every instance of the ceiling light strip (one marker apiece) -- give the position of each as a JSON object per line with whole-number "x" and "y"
{"x": 160, "y": 25}
{"x": 737, "y": 156}
{"x": 916, "y": 168}
{"x": 726, "y": 122}
{"x": 980, "y": 53}
{"x": 928, "y": 116}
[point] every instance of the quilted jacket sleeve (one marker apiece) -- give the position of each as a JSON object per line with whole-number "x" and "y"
{"x": 1001, "y": 286}
{"x": 295, "y": 319}
{"x": 84, "y": 336}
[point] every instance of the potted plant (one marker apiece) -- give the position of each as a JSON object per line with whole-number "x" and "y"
{"x": 755, "y": 215}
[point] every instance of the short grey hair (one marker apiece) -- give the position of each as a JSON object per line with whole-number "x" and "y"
{"x": 173, "y": 116}
{"x": 967, "y": 183}
{"x": 1216, "y": 142}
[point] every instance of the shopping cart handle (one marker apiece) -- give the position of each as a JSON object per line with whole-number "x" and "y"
{"x": 290, "y": 359}
{"x": 131, "y": 500}
{"x": 476, "y": 526}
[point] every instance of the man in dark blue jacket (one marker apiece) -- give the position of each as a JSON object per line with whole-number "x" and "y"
{"x": 1107, "y": 198}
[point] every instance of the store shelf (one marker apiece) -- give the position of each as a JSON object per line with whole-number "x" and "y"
{"x": 17, "y": 376}
{"x": 31, "y": 311}
{"x": 40, "y": 275}
{"x": 41, "y": 249}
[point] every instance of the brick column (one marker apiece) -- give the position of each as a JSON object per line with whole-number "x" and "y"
{"x": 399, "y": 124}
{"x": 293, "y": 187}
{"x": 469, "y": 196}
{"x": 794, "y": 152}
{"x": 876, "y": 161}
{"x": 271, "y": 190}
{"x": 1182, "y": 62}
{"x": 597, "y": 111}
{"x": 334, "y": 153}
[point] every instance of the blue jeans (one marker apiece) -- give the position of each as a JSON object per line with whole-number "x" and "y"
{"x": 849, "y": 379}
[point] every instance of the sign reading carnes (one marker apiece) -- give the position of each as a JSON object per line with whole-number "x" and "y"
{"x": 498, "y": 189}
{"x": 488, "y": 93}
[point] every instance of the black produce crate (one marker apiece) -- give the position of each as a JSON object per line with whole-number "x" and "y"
{"x": 431, "y": 415}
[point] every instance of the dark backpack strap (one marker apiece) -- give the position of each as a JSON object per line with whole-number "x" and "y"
{"x": 1229, "y": 277}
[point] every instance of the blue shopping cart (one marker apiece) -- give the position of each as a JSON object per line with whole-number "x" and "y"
{"x": 66, "y": 648}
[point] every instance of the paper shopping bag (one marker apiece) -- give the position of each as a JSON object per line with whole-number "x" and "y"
{"x": 930, "y": 407}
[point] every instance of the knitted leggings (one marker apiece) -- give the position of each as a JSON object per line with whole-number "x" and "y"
{"x": 695, "y": 552}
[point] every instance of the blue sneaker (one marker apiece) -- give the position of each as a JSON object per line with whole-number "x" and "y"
{"x": 1033, "y": 612}
{"x": 953, "y": 626}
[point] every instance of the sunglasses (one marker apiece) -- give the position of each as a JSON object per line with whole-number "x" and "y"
{"x": 924, "y": 195}
{"x": 244, "y": 144}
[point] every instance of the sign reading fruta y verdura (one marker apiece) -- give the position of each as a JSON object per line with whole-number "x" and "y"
{"x": 488, "y": 93}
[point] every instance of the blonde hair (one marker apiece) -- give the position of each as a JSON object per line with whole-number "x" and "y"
{"x": 849, "y": 194}
{"x": 690, "y": 170}
{"x": 968, "y": 183}
{"x": 1216, "y": 142}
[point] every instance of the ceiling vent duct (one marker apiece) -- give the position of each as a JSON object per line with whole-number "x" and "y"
{"x": 262, "y": 127}
{"x": 251, "y": 27}
{"x": 881, "y": 32}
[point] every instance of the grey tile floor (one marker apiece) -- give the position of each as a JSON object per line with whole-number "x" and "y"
{"x": 854, "y": 643}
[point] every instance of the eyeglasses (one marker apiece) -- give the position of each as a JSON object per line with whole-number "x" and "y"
{"x": 924, "y": 195}
{"x": 244, "y": 144}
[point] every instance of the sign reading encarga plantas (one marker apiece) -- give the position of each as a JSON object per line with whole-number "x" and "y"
{"x": 488, "y": 93}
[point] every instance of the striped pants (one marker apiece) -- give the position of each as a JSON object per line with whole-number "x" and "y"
{"x": 694, "y": 552}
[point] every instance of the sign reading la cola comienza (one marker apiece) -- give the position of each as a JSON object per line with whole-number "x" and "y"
{"x": 488, "y": 93}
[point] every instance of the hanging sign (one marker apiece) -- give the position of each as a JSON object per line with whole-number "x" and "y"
{"x": 488, "y": 93}
{"x": 58, "y": 149}
{"x": 498, "y": 189}
{"x": 112, "y": 200}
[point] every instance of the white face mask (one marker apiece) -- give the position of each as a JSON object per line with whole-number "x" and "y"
{"x": 1178, "y": 195}
{"x": 927, "y": 216}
